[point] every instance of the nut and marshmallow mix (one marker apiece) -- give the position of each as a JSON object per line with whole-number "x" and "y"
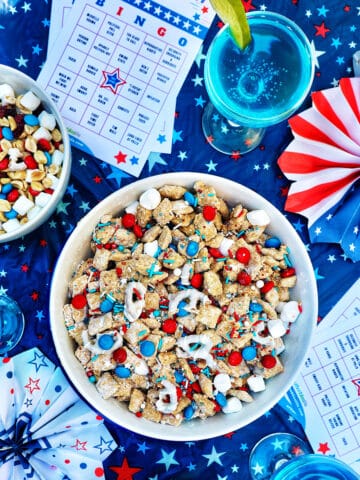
{"x": 182, "y": 307}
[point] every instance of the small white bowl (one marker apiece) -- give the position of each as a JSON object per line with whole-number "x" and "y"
{"x": 297, "y": 343}
{"x": 21, "y": 84}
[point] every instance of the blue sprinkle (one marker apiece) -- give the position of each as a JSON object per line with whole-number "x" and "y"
{"x": 122, "y": 372}
{"x": 121, "y": 248}
{"x": 272, "y": 242}
{"x": 106, "y": 341}
{"x": 221, "y": 399}
{"x": 31, "y": 120}
{"x": 188, "y": 412}
{"x": 48, "y": 158}
{"x": 192, "y": 248}
{"x": 7, "y": 133}
{"x": 11, "y": 214}
{"x": 179, "y": 377}
{"x": 147, "y": 348}
{"x": 156, "y": 313}
{"x": 92, "y": 379}
{"x": 190, "y": 198}
{"x": 255, "y": 307}
{"x": 249, "y": 353}
{"x": 106, "y": 305}
{"x": 6, "y": 188}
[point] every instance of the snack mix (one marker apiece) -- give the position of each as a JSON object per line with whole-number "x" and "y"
{"x": 181, "y": 309}
{"x": 31, "y": 156}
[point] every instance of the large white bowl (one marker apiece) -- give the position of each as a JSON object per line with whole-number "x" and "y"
{"x": 297, "y": 343}
{"x": 22, "y": 83}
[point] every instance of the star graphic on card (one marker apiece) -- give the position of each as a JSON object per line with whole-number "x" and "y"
{"x": 125, "y": 471}
{"x": 323, "y": 448}
{"x": 33, "y": 385}
{"x": 356, "y": 382}
{"x": 79, "y": 445}
{"x": 112, "y": 80}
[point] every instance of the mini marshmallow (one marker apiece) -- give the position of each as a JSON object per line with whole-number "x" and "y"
{"x": 290, "y": 311}
{"x": 14, "y": 153}
{"x": 11, "y": 225}
{"x": 47, "y": 120}
{"x": 150, "y": 199}
{"x": 151, "y": 248}
{"x": 132, "y": 207}
{"x": 141, "y": 367}
{"x": 185, "y": 274}
{"x": 23, "y": 205}
{"x": 256, "y": 383}
{"x": 33, "y": 212}
{"x": 258, "y": 217}
{"x": 57, "y": 157}
{"x": 276, "y": 328}
{"x": 30, "y": 101}
{"x": 54, "y": 180}
{"x": 233, "y": 405}
{"x": 222, "y": 382}
{"x": 6, "y": 91}
{"x": 42, "y": 133}
{"x": 42, "y": 199}
{"x": 225, "y": 245}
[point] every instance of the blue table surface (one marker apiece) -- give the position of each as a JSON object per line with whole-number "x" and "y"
{"x": 26, "y": 265}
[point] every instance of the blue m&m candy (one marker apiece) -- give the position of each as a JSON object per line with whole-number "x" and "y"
{"x": 189, "y": 412}
{"x": 255, "y": 307}
{"x": 106, "y": 341}
{"x": 106, "y": 305}
{"x": 192, "y": 248}
{"x": 122, "y": 372}
{"x": 221, "y": 399}
{"x": 190, "y": 198}
{"x": 249, "y": 353}
{"x": 272, "y": 242}
{"x": 31, "y": 120}
{"x": 147, "y": 348}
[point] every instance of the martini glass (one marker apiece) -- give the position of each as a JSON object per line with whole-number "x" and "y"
{"x": 283, "y": 456}
{"x": 11, "y": 323}
{"x": 257, "y": 87}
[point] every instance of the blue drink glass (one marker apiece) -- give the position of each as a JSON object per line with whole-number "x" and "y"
{"x": 257, "y": 87}
{"x": 11, "y": 323}
{"x": 283, "y": 456}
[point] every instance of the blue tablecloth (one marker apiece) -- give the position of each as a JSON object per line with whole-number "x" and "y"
{"x": 26, "y": 265}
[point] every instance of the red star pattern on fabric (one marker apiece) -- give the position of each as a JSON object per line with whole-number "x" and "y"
{"x": 235, "y": 155}
{"x": 24, "y": 268}
{"x": 33, "y": 385}
{"x": 347, "y": 8}
{"x": 120, "y": 157}
{"x": 125, "y": 472}
{"x": 321, "y": 30}
{"x": 97, "y": 179}
{"x": 248, "y": 5}
{"x": 43, "y": 242}
{"x": 79, "y": 445}
{"x": 35, "y": 295}
{"x": 323, "y": 448}
{"x": 229, "y": 435}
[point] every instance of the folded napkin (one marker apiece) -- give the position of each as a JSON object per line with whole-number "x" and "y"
{"x": 46, "y": 430}
{"x": 323, "y": 161}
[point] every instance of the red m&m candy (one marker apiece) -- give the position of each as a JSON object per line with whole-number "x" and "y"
{"x": 128, "y": 220}
{"x": 268, "y": 361}
{"x": 235, "y": 358}
{"x": 78, "y": 301}
{"x": 120, "y": 355}
{"x": 243, "y": 255}
{"x": 244, "y": 278}
{"x": 209, "y": 212}
{"x": 196, "y": 280}
{"x": 169, "y": 325}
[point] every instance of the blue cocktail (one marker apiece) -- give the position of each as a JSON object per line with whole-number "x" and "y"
{"x": 259, "y": 86}
{"x": 284, "y": 456}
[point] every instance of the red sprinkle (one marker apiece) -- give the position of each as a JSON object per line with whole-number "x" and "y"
{"x": 209, "y": 213}
{"x": 215, "y": 252}
{"x": 196, "y": 280}
{"x": 30, "y": 162}
{"x": 287, "y": 272}
{"x": 268, "y": 361}
{"x": 137, "y": 230}
{"x": 44, "y": 144}
{"x": 13, "y": 195}
{"x": 244, "y": 278}
{"x": 128, "y": 220}
{"x": 169, "y": 326}
{"x": 235, "y": 358}
{"x": 267, "y": 287}
{"x": 243, "y": 255}
{"x": 78, "y": 301}
{"x": 138, "y": 414}
{"x": 178, "y": 393}
{"x": 120, "y": 355}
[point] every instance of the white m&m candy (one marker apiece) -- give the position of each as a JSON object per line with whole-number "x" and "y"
{"x": 258, "y": 217}
{"x": 256, "y": 383}
{"x": 150, "y": 199}
{"x": 290, "y": 311}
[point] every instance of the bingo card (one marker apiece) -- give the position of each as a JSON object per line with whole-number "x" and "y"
{"x": 326, "y": 396}
{"x": 117, "y": 66}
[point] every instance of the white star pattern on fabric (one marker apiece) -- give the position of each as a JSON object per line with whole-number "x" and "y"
{"x": 214, "y": 456}
{"x": 168, "y": 459}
